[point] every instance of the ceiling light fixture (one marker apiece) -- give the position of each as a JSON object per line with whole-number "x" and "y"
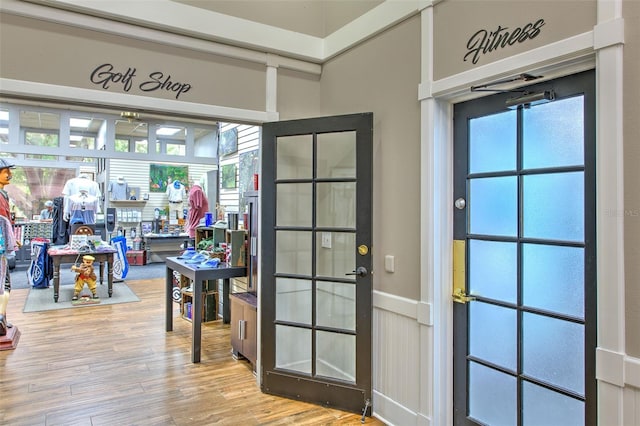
{"x": 79, "y": 122}
{"x": 167, "y": 131}
{"x": 130, "y": 115}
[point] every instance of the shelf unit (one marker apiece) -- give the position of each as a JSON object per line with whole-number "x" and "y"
{"x": 209, "y": 305}
{"x": 128, "y": 215}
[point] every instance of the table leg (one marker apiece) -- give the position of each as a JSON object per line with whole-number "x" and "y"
{"x": 196, "y": 321}
{"x": 101, "y": 272}
{"x": 226, "y": 309}
{"x": 168, "y": 319}
{"x": 56, "y": 282}
{"x": 109, "y": 276}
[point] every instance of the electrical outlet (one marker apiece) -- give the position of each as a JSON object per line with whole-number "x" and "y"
{"x": 326, "y": 239}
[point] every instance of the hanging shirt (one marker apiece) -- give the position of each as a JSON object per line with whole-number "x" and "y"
{"x": 119, "y": 190}
{"x": 175, "y": 192}
{"x": 81, "y": 208}
{"x": 78, "y": 184}
{"x": 198, "y": 206}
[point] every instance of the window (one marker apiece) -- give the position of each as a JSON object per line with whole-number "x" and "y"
{"x": 132, "y": 136}
{"x": 40, "y": 129}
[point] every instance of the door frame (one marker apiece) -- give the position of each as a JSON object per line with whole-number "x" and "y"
{"x": 437, "y": 217}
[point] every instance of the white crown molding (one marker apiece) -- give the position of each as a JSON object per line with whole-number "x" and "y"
{"x": 369, "y": 24}
{"x": 198, "y": 29}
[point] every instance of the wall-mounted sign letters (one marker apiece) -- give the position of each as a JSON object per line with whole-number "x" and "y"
{"x": 106, "y": 76}
{"x": 486, "y": 41}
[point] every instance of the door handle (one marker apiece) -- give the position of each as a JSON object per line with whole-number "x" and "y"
{"x": 361, "y": 271}
{"x": 459, "y": 296}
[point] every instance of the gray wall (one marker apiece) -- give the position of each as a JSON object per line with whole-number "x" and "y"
{"x": 382, "y": 78}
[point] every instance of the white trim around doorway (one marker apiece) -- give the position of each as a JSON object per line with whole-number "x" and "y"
{"x": 600, "y": 49}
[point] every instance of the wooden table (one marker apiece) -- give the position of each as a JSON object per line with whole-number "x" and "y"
{"x": 198, "y": 275}
{"x": 66, "y": 256}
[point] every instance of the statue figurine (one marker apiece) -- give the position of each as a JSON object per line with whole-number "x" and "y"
{"x": 85, "y": 275}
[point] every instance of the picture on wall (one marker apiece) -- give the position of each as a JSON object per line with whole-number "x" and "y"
{"x": 160, "y": 175}
{"x": 228, "y": 143}
{"x": 228, "y": 176}
{"x": 249, "y": 165}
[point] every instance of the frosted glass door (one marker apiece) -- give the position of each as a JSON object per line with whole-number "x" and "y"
{"x": 529, "y": 231}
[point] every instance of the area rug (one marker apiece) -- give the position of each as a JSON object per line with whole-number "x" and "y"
{"x": 41, "y": 299}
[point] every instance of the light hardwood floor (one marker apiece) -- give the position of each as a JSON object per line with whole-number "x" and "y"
{"x": 115, "y": 365}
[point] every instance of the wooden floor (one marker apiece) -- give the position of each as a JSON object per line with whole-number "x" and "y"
{"x": 115, "y": 365}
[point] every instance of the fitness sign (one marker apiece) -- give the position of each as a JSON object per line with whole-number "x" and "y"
{"x": 485, "y": 41}
{"x": 106, "y": 76}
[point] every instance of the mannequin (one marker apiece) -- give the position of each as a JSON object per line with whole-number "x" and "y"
{"x": 176, "y": 194}
{"x": 73, "y": 186}
{"x": 119, "y": 189}
{"x": 198, "y": 206}
{"x": 81, "y": 208}
{"x": 81, "y": 200}
{"x": 9, "y": 243}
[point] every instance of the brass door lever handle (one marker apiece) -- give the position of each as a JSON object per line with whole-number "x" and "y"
{"x": 460, "y": 297}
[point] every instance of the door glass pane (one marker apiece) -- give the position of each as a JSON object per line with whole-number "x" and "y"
{"x": 493, "y": 268}
{"x": 541, "y": 407}
{"x": 293, "y": 300}
{"x": 553, "y": 351}
{"x": 294, "y": 157}
{"x": 553, "y": 278}
{"x": 336, "y": 355}
{"x": 336, "y": 205}
{"x": 293, "y": 348}
{"x": 335, "y": 254}
{"x": 493, "y": 206}
{"x": 336, "y": 305}
{"x": 492, "y": 396}
{"x": 294, "y": 204}
{"x": 293, "y": 252}
{"x": 336, "y": 156}
{"x": 492, "y": 143}
{"x": 554, "y": 134}
{"x": 492, "y": 334}
{"x": 554, "y": 206}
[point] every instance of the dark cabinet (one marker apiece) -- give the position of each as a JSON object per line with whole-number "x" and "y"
{"x": 244, "y": 305}
{"x": 244, "y": 323}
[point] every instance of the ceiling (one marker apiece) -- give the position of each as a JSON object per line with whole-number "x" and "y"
{"x": 317, "y": 18}
{"x": 311, "y": 30}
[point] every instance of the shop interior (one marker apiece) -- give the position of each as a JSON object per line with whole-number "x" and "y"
{"x": 138, "y": 170}
{"x": 94, "y": 180}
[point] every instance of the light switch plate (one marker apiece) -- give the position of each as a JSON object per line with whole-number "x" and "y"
{"x": 389, "y": 263}
{"x": 326, "y": 239}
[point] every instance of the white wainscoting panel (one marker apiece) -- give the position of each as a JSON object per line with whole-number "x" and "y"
{"x": 396, "y": 361}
